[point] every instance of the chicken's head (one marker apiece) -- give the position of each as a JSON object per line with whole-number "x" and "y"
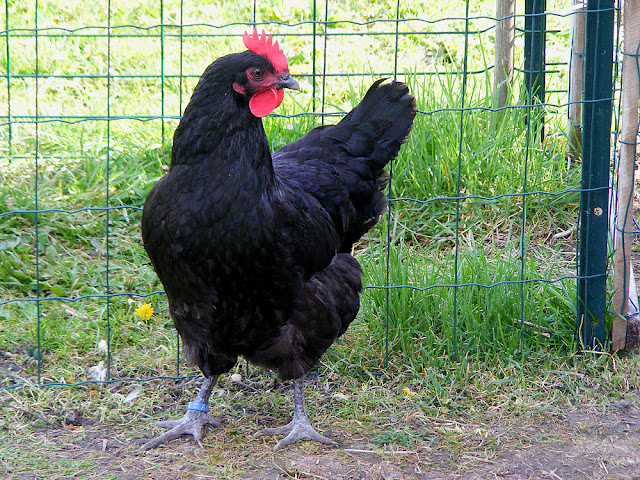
{"x": 264, "y": 81}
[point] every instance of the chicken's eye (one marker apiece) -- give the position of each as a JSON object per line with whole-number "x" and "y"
{"x": 257, "y": 73}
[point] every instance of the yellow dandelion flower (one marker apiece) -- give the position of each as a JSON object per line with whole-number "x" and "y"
{"x": 408, "y": 392}
{"x": 144, "y": 311}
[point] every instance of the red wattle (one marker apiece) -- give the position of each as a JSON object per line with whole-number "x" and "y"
{"x": 265, "y": 102}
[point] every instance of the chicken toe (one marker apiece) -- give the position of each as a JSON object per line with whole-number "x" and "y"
{"x": 191, "y": 424}
{"x": 299, "y": 428}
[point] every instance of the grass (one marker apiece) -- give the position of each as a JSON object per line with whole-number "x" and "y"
{"x": 482, "y": 318}
{"x": 455, "y": 418}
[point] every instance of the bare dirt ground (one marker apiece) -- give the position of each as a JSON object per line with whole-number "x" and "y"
{"x": 595, "y": 442}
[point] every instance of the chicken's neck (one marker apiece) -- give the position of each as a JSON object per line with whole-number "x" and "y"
{"x": 220, "y": 135}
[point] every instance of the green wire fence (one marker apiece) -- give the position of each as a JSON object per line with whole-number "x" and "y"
{"x": 88, "y": 103}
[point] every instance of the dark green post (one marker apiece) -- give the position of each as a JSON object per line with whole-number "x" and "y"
{"x": 535, "y": 23}
{"x": 594, "y": 198}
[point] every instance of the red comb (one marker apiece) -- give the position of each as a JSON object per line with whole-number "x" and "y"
{"x": 263, "y": 45}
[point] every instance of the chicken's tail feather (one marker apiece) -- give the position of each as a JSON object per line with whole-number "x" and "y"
{"x": 378, "y": 127}
{"x": 380, "y": 122}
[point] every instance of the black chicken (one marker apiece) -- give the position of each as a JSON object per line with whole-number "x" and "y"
{"x": 253, "y": 248}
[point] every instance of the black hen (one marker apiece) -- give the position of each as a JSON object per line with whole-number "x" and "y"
{"x": 253, "y": 248}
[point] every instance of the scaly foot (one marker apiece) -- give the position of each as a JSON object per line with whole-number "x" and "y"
{"x": 298, "y": 429}
{"x": 191, "y": 424}
{"x": 193, "y": 421}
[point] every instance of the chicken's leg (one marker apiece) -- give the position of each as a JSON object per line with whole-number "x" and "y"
{"x": 192, "y": 422}
{"x": 299, "y": 428}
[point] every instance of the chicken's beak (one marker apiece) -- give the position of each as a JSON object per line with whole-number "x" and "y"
{"x": 287, "y": 81}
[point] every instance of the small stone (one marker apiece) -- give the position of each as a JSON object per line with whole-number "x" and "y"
{"x": 73, "y": 417}
{"x": 622, "y": 404}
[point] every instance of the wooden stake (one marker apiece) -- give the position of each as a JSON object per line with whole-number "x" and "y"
{"x": 625, "y": 179}
{"x": 505, "y": 35}
{"x": 576, "y": 80}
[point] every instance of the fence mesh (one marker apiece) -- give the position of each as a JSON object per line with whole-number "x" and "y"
{"x": 478, "y": 247}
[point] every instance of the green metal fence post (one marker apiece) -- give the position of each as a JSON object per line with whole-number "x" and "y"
{"x": 592, "y": 254}
{"x": 534, "y": 55}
